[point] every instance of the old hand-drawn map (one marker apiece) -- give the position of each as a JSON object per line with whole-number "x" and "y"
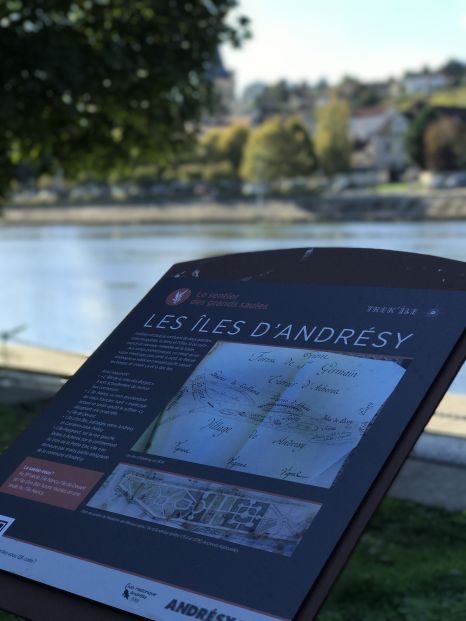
{"x": 291, "y": 414}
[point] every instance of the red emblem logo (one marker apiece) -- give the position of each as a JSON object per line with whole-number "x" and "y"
{"x": 178, "y": 297}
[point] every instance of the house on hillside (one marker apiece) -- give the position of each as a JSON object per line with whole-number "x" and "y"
{"x": 382, "y": 90}
{"x": 424, "y": 83}
{"x": 378, "y": 138}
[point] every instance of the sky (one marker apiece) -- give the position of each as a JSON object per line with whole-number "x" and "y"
{"x": 370, "y": 39}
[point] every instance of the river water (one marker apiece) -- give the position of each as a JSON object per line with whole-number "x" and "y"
{"x": 69, "y": 286}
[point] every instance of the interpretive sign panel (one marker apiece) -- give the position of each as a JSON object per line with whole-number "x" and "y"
{"x": 220, "y": 453}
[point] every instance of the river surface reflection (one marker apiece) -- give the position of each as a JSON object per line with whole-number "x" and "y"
{"x": 71, "y": 285}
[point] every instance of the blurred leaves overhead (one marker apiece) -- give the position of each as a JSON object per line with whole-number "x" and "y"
{"x": 97, "y": 84}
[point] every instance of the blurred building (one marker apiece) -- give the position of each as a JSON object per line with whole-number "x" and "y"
{"x": 381, "y": 89}
{"x": 378, "y": 137}
{"x": 224, "y": 89}
{"x": 424, "y": 83}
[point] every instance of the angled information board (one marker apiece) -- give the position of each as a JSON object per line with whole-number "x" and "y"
{"x": 219, "y": 455}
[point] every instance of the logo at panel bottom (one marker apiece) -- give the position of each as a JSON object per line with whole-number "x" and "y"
{"x": 135, "y": 594}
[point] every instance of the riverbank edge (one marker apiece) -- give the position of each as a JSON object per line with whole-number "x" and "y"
{"x": 357, "y": 207}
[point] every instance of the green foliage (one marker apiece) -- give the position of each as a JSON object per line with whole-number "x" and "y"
{"x": 332, "y": 142}
{"x": 272, "y": 100}
{"x": 282, "y": 98}
{"x": 210, "y": 172}
{"x": 232, "y": 143}
{"x": 218, "y": 171}
{"x": 401, "y": 187}
{"x": 356, "y": 93}
{"x": 454, "y": 97}
{"x": 5, "y": 616}
{"x": 414, "y": 139}
{"x": 219, "y": 153}
{"x": 190, "y": 172}
{"x": 445, "y": 145}
{"x": 209, "y": 147}
{"x": 455, "y": 70}
{"x": 104, "y": 84}
{"x": 15, "y": 419}
{"x": 222, "y": 145}
{"x": 278, "y": 149}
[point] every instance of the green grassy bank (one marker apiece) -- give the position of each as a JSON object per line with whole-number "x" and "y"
{"x": 410, "y": 565}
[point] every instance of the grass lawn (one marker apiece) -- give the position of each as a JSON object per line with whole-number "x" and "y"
{"x": 399, "y": 187}
{"x": 454, "y": 96}
{"x": 410, "y": 564}
{"x": 449, "y": 97}
{"x": 14, "y": 419}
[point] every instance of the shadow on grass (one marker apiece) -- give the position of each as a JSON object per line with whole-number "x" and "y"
{"x": 410, "y": 565}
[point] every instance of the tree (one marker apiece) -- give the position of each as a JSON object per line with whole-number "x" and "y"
{"x": 282, "y": 98}
{"x": 366, "y": 96}
{"x": 232, "y": 143}
{"x": 280, "y": 148}
{"x": 218, "y": 172}
{"x": 455, "y": 70}
{"x": 272, "y": 100}
{"x": 221, "y": 151}
{"x": 414, "y": 139}
{"x": 358, "y": 94}
{"x": 445, "y": 144}
{"x": 347, "y": 87}
{"x": 331, "y": 138}
{"x": 249, "y": 95}
{"x": 105, "y": 83}
{"x": 209, "y": 146}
